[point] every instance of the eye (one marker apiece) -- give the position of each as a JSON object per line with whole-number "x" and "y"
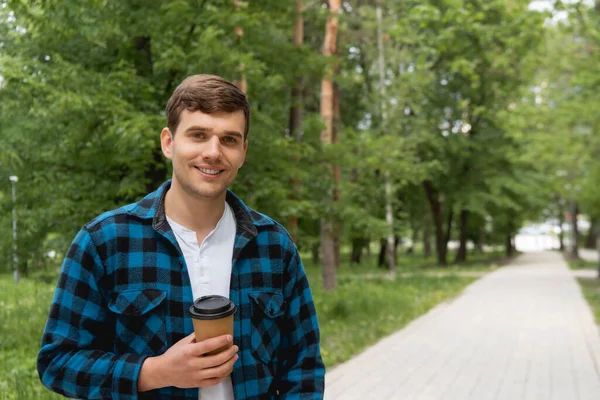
{"x": 198, "y": 135}
{"x": 230, "y": 139}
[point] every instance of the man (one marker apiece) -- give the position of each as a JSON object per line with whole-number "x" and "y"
{"x": 119, "y": 325}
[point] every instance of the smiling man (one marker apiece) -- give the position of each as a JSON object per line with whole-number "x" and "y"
{"x": 119, "y": 325}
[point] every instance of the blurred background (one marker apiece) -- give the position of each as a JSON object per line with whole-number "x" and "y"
{"x": 398, "y": 141}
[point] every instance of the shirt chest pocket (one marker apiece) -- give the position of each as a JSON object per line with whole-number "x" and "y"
{"x": 139, "y": 321}
{"x": 267, "y": 314}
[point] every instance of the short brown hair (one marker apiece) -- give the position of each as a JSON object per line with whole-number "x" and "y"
{"x": 209, "y": 94}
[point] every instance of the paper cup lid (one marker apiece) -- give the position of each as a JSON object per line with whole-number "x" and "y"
{"x": 212, "y": 307}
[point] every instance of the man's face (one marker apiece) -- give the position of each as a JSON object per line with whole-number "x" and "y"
{"x": 206, "y": 150}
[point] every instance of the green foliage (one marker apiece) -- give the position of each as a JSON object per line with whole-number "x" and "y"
{"x": 493, "y": 106}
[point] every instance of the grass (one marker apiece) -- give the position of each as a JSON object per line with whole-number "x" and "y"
{"x": 591, "y": 292}
{"x": 23, "y": 312}
{"x": 360, "y": 312}
{"x": 589, "y": 287}
{"x": 356, "y": 315}
{"x": 411, "y": 264}
{"x": 583, "y": 264}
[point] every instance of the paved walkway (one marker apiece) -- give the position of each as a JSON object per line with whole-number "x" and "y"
{"x": 521, "y": 332}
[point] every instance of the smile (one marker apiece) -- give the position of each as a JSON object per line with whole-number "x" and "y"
{"x": 210, "y": 171}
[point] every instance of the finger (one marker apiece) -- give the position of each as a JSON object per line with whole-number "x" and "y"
{"x": 191, "y": 338}
{"x": 219, "y": 371}
{"x": 208, "y": 345}
{"x": 218, "y": 359}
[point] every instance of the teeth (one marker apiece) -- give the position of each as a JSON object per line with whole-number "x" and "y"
{"x": 210, "y": 171}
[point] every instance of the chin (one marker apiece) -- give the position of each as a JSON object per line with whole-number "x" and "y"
{"x": 208, "y": 194}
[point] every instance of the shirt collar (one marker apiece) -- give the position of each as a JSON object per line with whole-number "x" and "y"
{"x": 153, "y": 207}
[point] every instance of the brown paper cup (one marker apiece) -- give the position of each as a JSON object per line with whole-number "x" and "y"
{"x": 212, "y": 316}
{"x": 206, "y": 329}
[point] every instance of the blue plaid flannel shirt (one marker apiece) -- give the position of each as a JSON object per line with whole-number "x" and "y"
{"x": 123, "y": 295}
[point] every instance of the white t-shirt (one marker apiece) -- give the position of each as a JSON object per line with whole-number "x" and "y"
{"x": 209, "y": 268}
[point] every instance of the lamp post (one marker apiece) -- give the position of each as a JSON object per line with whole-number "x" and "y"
{"x": 14, "y": 179}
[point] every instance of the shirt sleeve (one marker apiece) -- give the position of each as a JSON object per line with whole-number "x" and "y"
{"x": 75, "y": 358}
{"x": 301, "y": 373}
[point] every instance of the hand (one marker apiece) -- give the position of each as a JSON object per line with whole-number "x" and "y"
{"x": 185, "y": 364}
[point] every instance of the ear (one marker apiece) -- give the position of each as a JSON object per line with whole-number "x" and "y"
{"x": 166, "y": 142}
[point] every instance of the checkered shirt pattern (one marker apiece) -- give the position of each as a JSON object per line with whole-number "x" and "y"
{"x": 124, "y": 292}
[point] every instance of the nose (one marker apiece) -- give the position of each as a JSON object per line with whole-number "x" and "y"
{"x": 212, "y": 148}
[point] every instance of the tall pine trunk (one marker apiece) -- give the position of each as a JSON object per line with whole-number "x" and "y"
{"x": 337, "y": 171}
{"x": 296, "y": 117}
{"x": 327, "y": 113}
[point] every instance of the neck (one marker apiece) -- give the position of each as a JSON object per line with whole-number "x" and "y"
{"x": 196, "y": 213}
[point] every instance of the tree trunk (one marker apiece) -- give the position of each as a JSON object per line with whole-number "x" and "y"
{"x": 598, "y": 246}
{"x": 327, "y": 113}
{"x": 508, "y": 245}
{"x": 433, "y": 196}
{"x": 427, "y": 233}
{"x": 156, "y": 172}
{"x": 296, "y": 118}
{"x": 358, "y": 244}
{"x": 574, "y": 252}
{"x": 590, "y": 239}
{"x": 414, "y": 238}
{"x": 381, "y": 261}
{"x": 389, "y": 192}
{"x": 481, "y": 240}
{"x": 336, "y": 245}
{"x": 241, "y": 82}
{"x": 461, "y": 254}
{"x": 315, "y": 253}
{"x": 449, "y": 227}
{"x": 142, "y": 59}
{"x": 561, "y": 233}
{"x": 337, "y": 171}
{"x": 327, "y": 244}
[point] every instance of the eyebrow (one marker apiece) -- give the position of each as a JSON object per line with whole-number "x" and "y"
{"x": 204, "y": 129}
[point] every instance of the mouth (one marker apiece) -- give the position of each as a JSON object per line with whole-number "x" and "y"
{"x": 210, "y": 171}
